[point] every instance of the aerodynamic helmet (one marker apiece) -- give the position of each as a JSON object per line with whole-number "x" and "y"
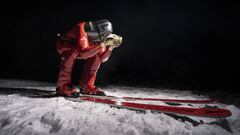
{"x": 98, "y": 30}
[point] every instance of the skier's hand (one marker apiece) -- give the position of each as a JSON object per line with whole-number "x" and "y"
{"x": 117, "y": 40}
{"x": 113, "y": 41}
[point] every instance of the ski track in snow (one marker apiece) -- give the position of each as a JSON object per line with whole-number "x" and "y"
{"x": 22, "y": 115}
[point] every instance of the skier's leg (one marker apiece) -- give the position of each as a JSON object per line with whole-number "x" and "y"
{"x": 88, "y": 76}
{"x": 64, "y": 86}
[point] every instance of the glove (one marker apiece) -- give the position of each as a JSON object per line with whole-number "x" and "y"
{"x": 112, "y": 41}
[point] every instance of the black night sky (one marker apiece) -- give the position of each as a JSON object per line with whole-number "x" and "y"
{"x": 179, "y": 44}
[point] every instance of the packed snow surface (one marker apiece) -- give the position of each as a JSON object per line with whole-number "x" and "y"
{"x": 24, "y": 115}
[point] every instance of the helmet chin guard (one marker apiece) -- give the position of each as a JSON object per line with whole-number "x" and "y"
{"x": 97, "y": 31}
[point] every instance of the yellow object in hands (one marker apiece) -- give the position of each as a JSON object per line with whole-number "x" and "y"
{"x": 113, "y": 40}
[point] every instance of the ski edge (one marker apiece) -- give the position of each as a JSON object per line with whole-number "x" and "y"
{"x": 210, "y": 101}
{"x": 184, "y": 110}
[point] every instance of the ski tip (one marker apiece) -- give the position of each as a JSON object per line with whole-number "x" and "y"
{"x": 219, "y": 113}
{"x": 228, "y": 113}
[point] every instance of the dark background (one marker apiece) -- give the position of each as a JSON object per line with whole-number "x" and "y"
{"x": 187, "y": 44}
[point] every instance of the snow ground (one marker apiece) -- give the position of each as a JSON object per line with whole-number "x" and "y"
{"x": 21, "y": 114}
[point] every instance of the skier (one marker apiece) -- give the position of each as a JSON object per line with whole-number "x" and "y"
{"x": 91, "y": 41}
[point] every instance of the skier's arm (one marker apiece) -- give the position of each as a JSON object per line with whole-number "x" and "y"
{"x": 105, "y": 55}
{"x": 90, "y": 51}
{"x": 86, "y": 50}
{"x": 114, "y": 42}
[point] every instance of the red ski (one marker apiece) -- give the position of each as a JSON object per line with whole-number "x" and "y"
{"x": 211, "y": 101}
{"x": 199, "y": 112}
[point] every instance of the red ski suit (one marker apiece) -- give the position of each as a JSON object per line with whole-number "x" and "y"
{"x": 92, "y": 54}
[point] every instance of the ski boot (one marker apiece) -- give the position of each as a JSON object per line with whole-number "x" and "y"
{"x": 68, "y": 90}
{"x": 92, "y": 91}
